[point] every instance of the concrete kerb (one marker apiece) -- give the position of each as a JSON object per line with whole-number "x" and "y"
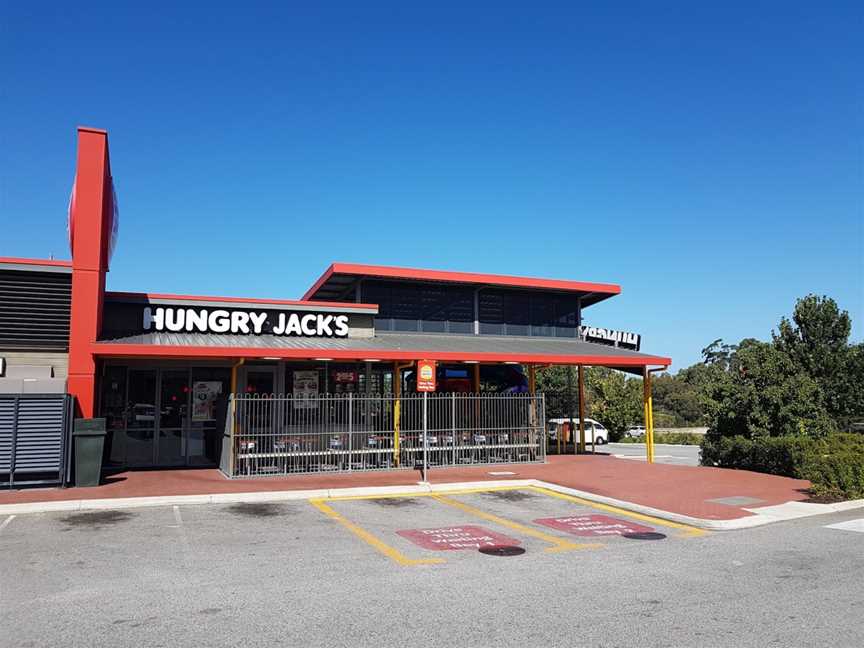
{"x": 701, "y": 523}
{"x": 758, "y": 517}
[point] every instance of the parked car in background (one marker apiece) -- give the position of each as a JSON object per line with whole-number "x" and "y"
{"x": 595, "y": 431}
{"x": 635, "y": 431}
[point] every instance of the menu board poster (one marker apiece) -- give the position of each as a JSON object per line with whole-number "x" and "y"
{"x": 305, "y": 389}
{"x": 204, "y": 394}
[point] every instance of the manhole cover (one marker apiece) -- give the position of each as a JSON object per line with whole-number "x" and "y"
{"x": 646, "y": 535}
{"x": 502, "y": 551}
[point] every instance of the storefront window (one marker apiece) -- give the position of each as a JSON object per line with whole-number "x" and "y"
{"x": 164, "y": 416}
{"x": 513, "y": 312}
{"x": 430, "y": 308}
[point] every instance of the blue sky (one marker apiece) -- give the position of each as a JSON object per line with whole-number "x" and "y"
{"x": 709, "y": 160}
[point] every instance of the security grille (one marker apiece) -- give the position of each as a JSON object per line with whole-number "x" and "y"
{"x": 34, "y": 438}
{"x": 279, "y": 435}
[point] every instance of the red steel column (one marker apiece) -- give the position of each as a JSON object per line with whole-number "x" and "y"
{"x": 91, "y": 212}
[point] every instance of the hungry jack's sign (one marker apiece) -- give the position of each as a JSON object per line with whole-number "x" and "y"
{"x": 243, "y": 322}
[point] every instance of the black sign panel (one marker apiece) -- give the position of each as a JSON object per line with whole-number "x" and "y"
{"x": 124, "y": 319}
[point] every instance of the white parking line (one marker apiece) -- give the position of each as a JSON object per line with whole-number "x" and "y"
{"x": 6, "y": 522}
{"x": 849, "y": 525}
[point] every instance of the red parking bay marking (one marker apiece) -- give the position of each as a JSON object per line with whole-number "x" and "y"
{"x": 593, "y": 525}
{"x": 454, "y": 538}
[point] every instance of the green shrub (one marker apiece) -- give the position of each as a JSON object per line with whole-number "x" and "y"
{"x": 678, "y": 438}
{"x": 835, "y": 467}
{"x": 836, "y": 475}
{"x": 774, "y": 455}
{"x": 675, "y": 438}
{"x": 834, "y": 464}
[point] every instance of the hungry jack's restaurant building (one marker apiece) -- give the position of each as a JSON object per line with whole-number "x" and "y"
{"x": 164, "y": 369}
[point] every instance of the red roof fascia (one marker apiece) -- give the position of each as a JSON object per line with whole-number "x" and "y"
{"x": 43, "y": 262}
{"x": 418, "y": 274}
{"x": 158, "y": 350}
{"x": 247, "y": 300}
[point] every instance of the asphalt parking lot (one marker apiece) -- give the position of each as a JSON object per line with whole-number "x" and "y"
{"x": 504, "y": 522}
{"x": 396, "y": 571}
{"x": 681, "y": 455}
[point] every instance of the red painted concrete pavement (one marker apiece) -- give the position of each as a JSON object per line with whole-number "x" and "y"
{"x": 677, "y": 489}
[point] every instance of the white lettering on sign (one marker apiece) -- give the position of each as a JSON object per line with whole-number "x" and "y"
{"x": 594, "y": 525}
{"x": 456, "y": 538}
{"x": 239, "y": 322}
{"x": 315, "y": 325}
{"x": 618, "y": 338}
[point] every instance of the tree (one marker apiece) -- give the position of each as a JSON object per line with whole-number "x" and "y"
{"x": 817, "y": 337}
{"x": 765, "y": 394}
{"x": 616, "y": 399}
{"x": 817, "y": 341}
{"x": 610, "y": 397}
{"x": 560, "y": 385}
{"x": 718, "y": 353}
{"x": 845, "y": 389}
{"x": 553, "y": 378}
{"x": 676, "y": 401}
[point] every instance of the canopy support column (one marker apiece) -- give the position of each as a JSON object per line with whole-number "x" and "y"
{"x": 397, "y": 407}
{"x": 649, "y": 415}
{"x": 581, "y": 409}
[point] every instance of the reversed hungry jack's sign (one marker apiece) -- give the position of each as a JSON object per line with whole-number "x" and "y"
{"x": 624, "y": 339}
{"x": 455, "y": 538}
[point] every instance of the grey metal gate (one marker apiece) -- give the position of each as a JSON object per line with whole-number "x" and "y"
{"x": 280, "y": 435}
{"x": 34, "y": 438}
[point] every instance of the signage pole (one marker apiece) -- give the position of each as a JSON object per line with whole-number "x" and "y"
{"x": 570, "y": 431}
{"x": 425, "y": 434}
{"x": 350, "y": 425}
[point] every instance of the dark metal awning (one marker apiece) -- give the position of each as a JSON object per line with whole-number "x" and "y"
{"x": 382, "y": 347}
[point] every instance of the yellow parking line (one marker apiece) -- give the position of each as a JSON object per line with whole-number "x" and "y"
{"x": 558, "y": 544}
{"x": 393, "y": 554}
{"x": 461, "y": 491}
{"x": 687, "y": 530}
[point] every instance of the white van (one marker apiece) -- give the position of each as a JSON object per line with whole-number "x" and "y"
{"x": 595, "y": 432}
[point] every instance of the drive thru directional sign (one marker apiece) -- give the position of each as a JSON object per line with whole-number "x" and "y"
{"x": 457, "y": 537}
{"x": 426, "y": 374}
{"x": 593, "y": 525}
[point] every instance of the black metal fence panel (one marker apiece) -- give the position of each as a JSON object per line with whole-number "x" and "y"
{"x": 276, "y": 435}
{"x": 35, "y": 431}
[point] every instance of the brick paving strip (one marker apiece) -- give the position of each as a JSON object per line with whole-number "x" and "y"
{"x": 700, "y": 496}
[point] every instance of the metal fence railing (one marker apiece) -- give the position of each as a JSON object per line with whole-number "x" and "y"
{"x": 279, "y": 435}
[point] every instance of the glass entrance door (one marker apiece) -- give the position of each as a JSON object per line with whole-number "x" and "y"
{"x": 173, "y": 417}
{"x": 141, "y": 417}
